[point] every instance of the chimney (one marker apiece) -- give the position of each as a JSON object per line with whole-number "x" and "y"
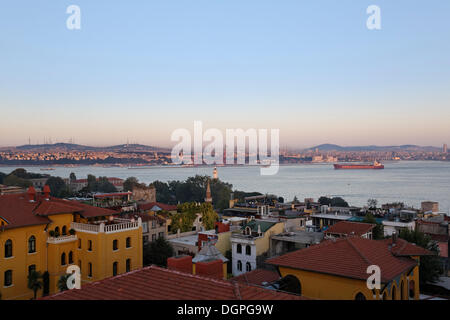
{"x": 31, "y": 192}
{"x": 180, "y": 263}
{"x": 47, "y": 192}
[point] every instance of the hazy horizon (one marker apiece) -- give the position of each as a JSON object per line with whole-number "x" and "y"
{"x": 311, "y": 69}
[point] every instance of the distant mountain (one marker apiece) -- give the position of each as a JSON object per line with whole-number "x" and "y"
{"x": 406, "y": 147}
{"x": 78, "y": 147}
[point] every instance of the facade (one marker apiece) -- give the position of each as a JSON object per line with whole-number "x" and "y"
{"x": 391, "y": 227}
{"x": 428, "y": 206}
{"x": 337, "y": 269}
{"x": 251, "y": 242}
{"x": 46, "y": 234}
{"x": 153, "y": 228}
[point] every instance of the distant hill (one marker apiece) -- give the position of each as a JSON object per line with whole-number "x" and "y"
{"x": 406, "y": 147}
{"x": 78, "y": 147}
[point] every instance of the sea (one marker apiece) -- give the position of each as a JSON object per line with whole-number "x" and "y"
{"x": 410, "y": 182}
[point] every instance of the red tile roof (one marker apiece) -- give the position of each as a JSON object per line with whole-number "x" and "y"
{"x": 163, "y": 206}
{"x": 345, "y": 228}
{"x": 349, "y": 257}
{"x": 257, "y": 277}
{"x": 155, "y": 283}
{"x": 18, "y": 211}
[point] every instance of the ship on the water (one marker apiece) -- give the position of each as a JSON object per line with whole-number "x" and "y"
{"x": 375, "y": 165}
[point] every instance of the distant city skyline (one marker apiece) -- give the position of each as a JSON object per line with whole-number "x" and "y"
{"x": 311, "y": 69}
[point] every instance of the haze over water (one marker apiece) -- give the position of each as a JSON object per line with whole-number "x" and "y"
{"x": 408, "y": 181}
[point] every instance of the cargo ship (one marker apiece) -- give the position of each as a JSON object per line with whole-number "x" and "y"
{"x": 375, "y": 165}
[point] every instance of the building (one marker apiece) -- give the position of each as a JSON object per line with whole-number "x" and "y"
{"x": 46, "y": 234}
{"x": 145, "y": 194}
{"x": 258, "y": 277}
{"x": 153, "y": 226}
{"x": 10, "y": 189}
{"x": 155, "y": 283}
{"x": 391, "y": 227}
{"x": 347, "y": 228}
{"x": 322, "y": 221}
{"x": 79, "y": 184}
{"x": 337, "y": 269}
{"x": 290, "y": 241}
{"x": 252, "y": 242}
{"x": 444, "y": 148}
{"x": 208, "y": 193}
{"x": 430, "y": 206}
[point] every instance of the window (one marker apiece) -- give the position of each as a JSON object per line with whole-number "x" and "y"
{"x": 31, "y": 268}
{"x": 57, "y": 232}
{"x": 153, "y": 237}
{"x": 8, "y": 248}
{"x": 394, "y": 293}
{"x": 145, "y": 227}
{"x": 248, "y": 267}
{"x": 115, "y": 267}
{"x": 402, "y": 291}
{"x": 161, "y": 235}
{"x": 32, "y": 244}
{"x": 90, "y": 270}
{"x": 63, "y": 259}
{"x": 128, "y": 265}
{"x": 70, "y": 257}
{"x": 128, "y": 242}
{"x": 115, "y": 245}
{"x": 239, "y": 265}
{"x": 248, "y": 250}
{"x": 412, "y": 292}
{"x": 239, "y": 248}
{"x": 8, "y": 278}
{"x": 153, "y": 224}
{"x": 145, "y": 239}
{"x": 360, "y": 296}
{"x": 89, "y": 245}
{"x": 64, "y": 231}
{"x": 79, "y": 243}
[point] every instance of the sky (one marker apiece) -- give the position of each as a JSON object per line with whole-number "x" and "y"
{"x": 138, "y": 70}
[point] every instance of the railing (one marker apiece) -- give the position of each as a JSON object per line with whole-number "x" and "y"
{"x": 121, "y": 227}
{"x": 117, "y": 227}
{"x": 84, "y": 227}
{"x": 61, "y": 239}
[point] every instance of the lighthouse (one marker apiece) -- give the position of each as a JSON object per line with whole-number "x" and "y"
{"x": 215, "y": 173}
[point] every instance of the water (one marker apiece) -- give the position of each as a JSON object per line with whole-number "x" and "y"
{"x": 408, "y": 181}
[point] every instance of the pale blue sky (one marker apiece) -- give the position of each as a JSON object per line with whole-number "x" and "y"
{"x": 140, "y": 69}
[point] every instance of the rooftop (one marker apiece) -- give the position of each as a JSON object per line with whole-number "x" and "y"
{"x": 257, "y": 277}
{"x": 351, "y": 256}
{"x": 348, "y": 228}
{"x": 304, "y": 237}
{"x": 155, "y": 283}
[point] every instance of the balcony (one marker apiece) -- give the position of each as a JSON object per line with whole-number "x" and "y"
{"x": 117, "y": 225}
{"x": 62, "y": 239}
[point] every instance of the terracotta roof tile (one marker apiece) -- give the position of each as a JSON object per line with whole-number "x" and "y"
{"x": 349, "y": 257}
{"x": 348, "y": 228}
{"x": 155, "y": 283}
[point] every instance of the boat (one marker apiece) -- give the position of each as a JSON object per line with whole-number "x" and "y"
{"x": 375, "y": 165}
{"x": 47, "y": 169}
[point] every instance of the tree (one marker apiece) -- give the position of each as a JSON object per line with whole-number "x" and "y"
{"x": 157, "y": 252}
{"x": 295, "y": 200}
{"x": 378, "y": 230}
{"x": 430, "y": 267}
{"x": 338, "y": 202}
{"x": 2, "y": 176}
{"x": 62, "y": 282}
{"x": 46, "y": 281}
{"x": 35, "y": 282}
{"x": 58, "y": 187}
{"x": 325, "y": 201}
{"x": 72, "y": 177}
{"x": 12, "y": 180}
{"x": 103, "y": 185}
{"x": 209, "y": 216}
{"x": 130, "y": 183}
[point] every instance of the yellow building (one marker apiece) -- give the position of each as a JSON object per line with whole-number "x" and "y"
{"x": 45, "y": 234}
{"x": 338, "y": 269}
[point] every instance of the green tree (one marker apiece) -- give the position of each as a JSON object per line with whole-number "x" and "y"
{"x": 103, "y": 185}
{"x": 130, "y": 183}
{"x": 35, "y": 282}
{"x": 378, "y": 230}
{"x": 338, "y": 202}
{"x": 72, "y": 177}
{"x": 12, "y": 180}
{"x": 430, "y": 267}
{"x": 157, "y": 252}
{"x": 209, "y": 216}
{"x": 2, "y": 176}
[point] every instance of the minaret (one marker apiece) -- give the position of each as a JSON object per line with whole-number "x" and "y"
{"x": 215, "y": 173}
{"x": 208, "y": 193}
